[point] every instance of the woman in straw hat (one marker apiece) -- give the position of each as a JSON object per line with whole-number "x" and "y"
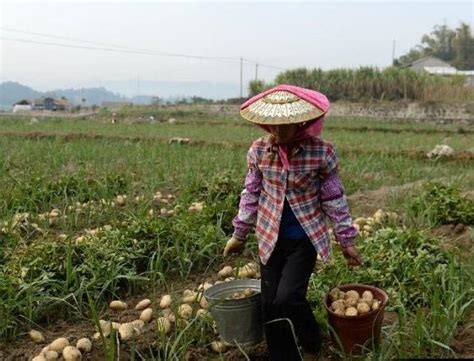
{"x": 291, "y": 187}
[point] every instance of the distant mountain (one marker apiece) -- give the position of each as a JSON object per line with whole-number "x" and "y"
{"x": 176, "y": 89}
{"x": 90, "y": 95}
{"x": 12, "y": 92}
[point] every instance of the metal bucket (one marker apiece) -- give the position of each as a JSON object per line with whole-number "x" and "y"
{"x": 359, "y": 333}
{"x": 238, "y": 320}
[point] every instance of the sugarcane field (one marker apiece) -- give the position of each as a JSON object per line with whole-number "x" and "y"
{"x": 236, "y": 181}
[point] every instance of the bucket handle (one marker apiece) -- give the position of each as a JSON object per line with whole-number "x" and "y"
{"x": 292, "y": 328}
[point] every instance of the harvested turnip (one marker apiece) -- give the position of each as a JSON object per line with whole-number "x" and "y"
{"x": 204, "y": 286}
{"x": 185, "y": 311}
{"x": 351, "y": 311}
{"x": 146, "y": 315}
{"x": 168, "y": 313}
{"x": 225, "y": 272}
{"x": 71, "y": 353}
{"x": 351, "y": 302}
{"x": 143, "y": 304}
{"x": 335, "y": 294}
{"x": 51, "y": 355}
{"x": 36, "y": 336}
{"x": 246, "y": 272}
{"x": 59, "y": 344}
{"x": 138, "y": 325}
{"x": 340, "y": 311}
{"x": 367, "y": 296}
{"x": 118, "y": 305}
{"x": 189, "y": 297}
{"x": 363, "y": 308}
{"x": 204, "y": 303}
{"x": 163, "y": 325}
{"x": 338, "y": 305}
{"x": 105, "y": 327}
{"x": 84, "y": 345}
{"x": 39, "y": 358}
{"x": 376, "y": 305}
{"x": 120, "y": 200}
{"x": 351, "y": 294}
{"x": 165, "y": 301}
{"x": 126, "y": 331}
{"x": 203, "y": 313}
{"x": 218, "y": 346}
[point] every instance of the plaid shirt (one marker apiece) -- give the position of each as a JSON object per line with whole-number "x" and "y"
{"x": 312, "y": 187}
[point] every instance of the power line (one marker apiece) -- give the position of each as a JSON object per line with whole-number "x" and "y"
{"x": 115, "y": 47}
{"x": 116, "y": 50}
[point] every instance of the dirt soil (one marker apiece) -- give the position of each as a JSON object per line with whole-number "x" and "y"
{"x": 457, "y": 238}
{"x": 364, "y": 203}
{"x": 463, "y": 343}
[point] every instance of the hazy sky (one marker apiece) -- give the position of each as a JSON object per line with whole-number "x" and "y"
{"x": 284, "y": 34}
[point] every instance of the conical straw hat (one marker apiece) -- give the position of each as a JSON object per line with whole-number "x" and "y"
{"x": 279, "y": 107}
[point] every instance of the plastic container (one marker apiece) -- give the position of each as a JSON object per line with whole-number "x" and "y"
{"x": 238, "y": 320}
{"x": 354, "y": 334}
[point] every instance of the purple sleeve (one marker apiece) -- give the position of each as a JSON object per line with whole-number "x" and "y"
{"x": 247, "y": 215}
{"x": 334, "y": 205}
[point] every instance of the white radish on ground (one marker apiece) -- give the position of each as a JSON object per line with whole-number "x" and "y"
{"x": 71, "y": 353}
{"x": 84, "y": 345}
{"x": 165, "y": 301}
{"x": 59, "y": 344}
{"x": 204, "y": 303}
{"x": 218, "y": 346}
{"x": 163, "y": 325}
{"x": 126, "y": 331}
{"x": 146, "y": 315}
{"x": 143, "y": 304}
{"x": 118, "y": 305}
{"x": 51, "y": 355}
{"x": 39, "y": 358}
{"x": 36, "y": 336}
{"x": 225, "y": 272}
{"x": 185, "y": 311}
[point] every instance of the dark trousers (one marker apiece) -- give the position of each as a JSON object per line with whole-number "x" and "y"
{"x": 284, "y": 286}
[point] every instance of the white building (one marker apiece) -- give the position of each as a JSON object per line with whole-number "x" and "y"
{"x": 435, "y": 66}
{"x": 18, "y": 108}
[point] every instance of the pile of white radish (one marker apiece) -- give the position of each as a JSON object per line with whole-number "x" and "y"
{"x": 366, "y": 225}
{"x": 190, "y": 304}
{"x": 350, "y": 303}
{"x": 60, "y": 346}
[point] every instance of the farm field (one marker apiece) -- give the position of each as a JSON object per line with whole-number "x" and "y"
{"x": 112, "y": 236}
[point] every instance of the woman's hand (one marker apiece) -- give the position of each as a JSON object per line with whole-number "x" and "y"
{"x": 352, "y": 256}
{"x": 233, "y": 245}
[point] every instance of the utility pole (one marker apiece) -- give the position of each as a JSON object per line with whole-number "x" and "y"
{"x": 393, "y": 52}
{"x": 241, "y": 71}
{"x": 256, "y": 71}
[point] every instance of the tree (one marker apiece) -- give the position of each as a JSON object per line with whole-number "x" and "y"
{"x": 439, "y": 43}
{"x": 463, "y": 44}
{"x": 255, "y": 87}
{"x": 453, "y": 46}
